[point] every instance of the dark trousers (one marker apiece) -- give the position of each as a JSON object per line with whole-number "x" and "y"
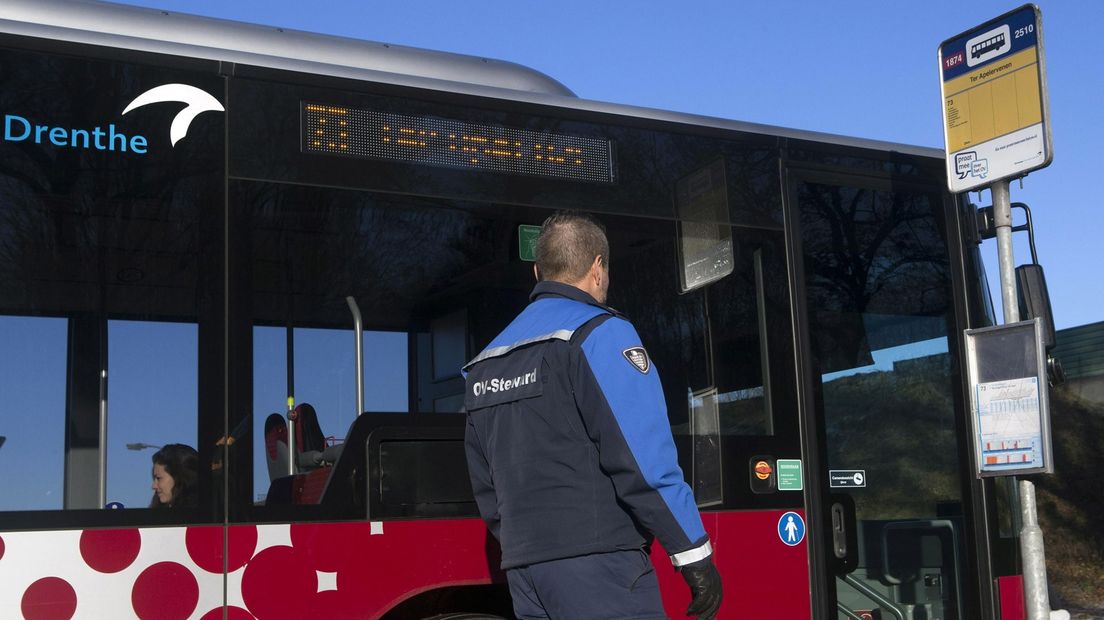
{"x": 621, "y": 584}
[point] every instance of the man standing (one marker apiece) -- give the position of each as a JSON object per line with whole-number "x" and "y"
{"x": 570, "y": 451}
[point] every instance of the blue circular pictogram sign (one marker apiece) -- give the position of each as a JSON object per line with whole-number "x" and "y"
{"x": 791, "y": 529}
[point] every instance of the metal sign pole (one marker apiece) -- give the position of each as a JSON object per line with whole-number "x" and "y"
{"x": 1036, "y": 598}
{"x": 1002, "y": 218}
{"x": 1032, "y": 552}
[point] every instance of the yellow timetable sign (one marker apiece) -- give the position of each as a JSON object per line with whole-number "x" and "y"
{"x": 995, "y": 121}
{"x": 993, "y": 101}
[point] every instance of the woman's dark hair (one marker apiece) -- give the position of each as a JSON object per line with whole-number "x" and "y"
{"x": 182, "y": 463}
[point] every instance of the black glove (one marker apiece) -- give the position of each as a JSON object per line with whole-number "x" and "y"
{"x": 705, "y": 588}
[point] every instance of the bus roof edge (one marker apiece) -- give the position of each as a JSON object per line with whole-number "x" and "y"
{"x": 155, "y": 30}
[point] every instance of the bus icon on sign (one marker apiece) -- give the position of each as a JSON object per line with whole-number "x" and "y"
{"x": 977, "y": 50}
{"x": 988, "y": 45}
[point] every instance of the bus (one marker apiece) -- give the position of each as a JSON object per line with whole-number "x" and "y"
{"x": 279, "y": 248}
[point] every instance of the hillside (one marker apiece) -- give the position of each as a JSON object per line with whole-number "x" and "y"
{"x": 1071, "y": 505}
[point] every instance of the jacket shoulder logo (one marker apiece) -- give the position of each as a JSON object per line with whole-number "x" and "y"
{"x": 197, "y": 101}
{"x": 638, "y": 357}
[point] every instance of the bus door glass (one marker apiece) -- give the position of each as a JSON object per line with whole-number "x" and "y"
{"x": 708, "y": 294}
{"x": 880, "y": 316}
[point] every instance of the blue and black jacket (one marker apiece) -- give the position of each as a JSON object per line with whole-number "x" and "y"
{"x": 568, "y": 443}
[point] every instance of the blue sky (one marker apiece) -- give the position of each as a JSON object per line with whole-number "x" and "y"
{"x": 859, "y": 68}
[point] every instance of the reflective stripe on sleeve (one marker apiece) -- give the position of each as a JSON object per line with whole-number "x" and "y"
{"x": 692, "y": 555}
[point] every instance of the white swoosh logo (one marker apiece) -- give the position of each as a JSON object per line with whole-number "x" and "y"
{"x": 198, "y": 101}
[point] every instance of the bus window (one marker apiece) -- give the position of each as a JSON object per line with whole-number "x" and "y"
{"x": 32, "y": 380}
{"x": 152, "y": 401}
{"x": 431, "y": 279}
{"x": 323, "y": 376}
{"x": 442, "y": 351}
{"x": 723, "y": 351}
{"x": 269, "y": 399}
{"x": 716, "y": 346}
{"x": 431, "y": 252}
{"x": 111, "y": 286}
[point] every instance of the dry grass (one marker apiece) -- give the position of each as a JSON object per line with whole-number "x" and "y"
{"x": 1071, "y": 506}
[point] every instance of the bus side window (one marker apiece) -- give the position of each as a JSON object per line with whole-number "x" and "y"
{"x": 149, "y": 396}
{"x": 441, "y": 354}
{"x": 152, "y": 401}
{"x": 32, "y": 380}
{"x": 323, "y": 376}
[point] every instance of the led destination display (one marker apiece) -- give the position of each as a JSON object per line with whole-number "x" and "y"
{"x": 434, "y": 141}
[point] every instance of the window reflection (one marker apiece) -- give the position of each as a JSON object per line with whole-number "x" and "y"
{"x": 324, "y": 377}
{"x": 32, "y": 382}
{"x": 436, "y": 278}
{"x": 879, "y": 300}
{"x": 92, "y": 236}
{"x": 152, "y": 401}
{"x": 716, "y": 347}
{"x": 894, "y": 420}
{"x": 879, "y": 306}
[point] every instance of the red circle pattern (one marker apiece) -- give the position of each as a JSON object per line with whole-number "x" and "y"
{"x": 1, "y": 547}
{"x": 49, "y": 598}
{"x": 165, "y": 591}
{"x": 110, "y": 551}
{"x": 242, "y": 543}
{"x": 232, "y": 613}
{"x": 205, "y": 547}
{"x": 333, "y": 547}
{"x": 279, "y": 583}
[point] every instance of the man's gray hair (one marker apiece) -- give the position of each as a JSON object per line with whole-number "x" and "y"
{"x": 567, "y": 245}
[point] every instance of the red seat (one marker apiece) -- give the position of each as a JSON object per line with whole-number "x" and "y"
{"x": 314, "y": 459}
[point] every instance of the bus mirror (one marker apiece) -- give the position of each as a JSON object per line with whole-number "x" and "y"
{"x": 1035, "y": 300}
{"x": 986, "y": 228}
{"x": 1055, "y": 373}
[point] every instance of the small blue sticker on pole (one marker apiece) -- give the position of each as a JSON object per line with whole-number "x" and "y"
{"x": 791, "y": 529}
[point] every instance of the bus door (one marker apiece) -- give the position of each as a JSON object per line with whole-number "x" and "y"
{"x": 882, "y": 432}
{"x": 708, "y": 294}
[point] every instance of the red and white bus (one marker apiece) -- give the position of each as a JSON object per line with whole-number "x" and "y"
{"x": 206, "y": 226}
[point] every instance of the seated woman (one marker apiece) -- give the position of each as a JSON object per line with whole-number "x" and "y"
{"x": 175, "y": 477}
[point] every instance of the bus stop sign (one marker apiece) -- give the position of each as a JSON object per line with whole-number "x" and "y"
{"x": 996, "y": 124}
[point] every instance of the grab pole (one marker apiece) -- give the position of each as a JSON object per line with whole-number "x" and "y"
{"x": 358, "y": 330}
